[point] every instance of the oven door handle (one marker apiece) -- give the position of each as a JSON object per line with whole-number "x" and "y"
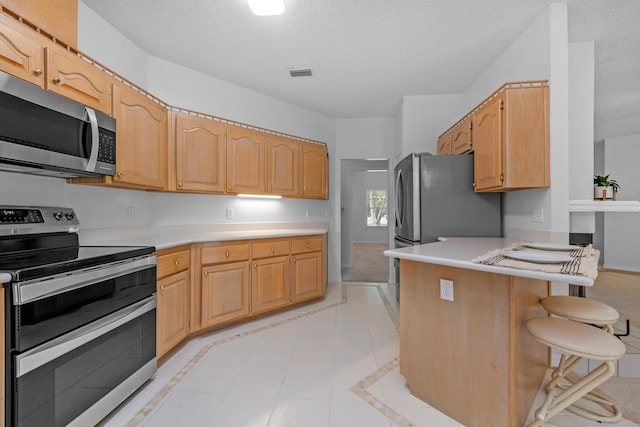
{"x": 26, "y": 292}
{"x": 55, "y": 348}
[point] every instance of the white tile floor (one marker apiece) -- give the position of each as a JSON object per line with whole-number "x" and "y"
{"x": 330, "y": 363}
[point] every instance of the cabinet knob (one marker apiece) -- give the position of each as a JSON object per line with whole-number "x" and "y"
{"x": 37, "y": 71}
{"x": 56, "y": 80}
{"x": 308, "y": 245}
{"x": 293, "y": 259}
{"x": 206, "y": 273}
{"x": 226, "y": 254}
{"x": 273, "y": 250}
{"x": 255, "y": 265}
{"x": 119, "y": 174}
{"x": 229, "y": 187}
{"x": 179, "y": 184}
{"x": 177, "y": 262}
{"x": 162, "y": 287}
{"x": 501, "y": 177}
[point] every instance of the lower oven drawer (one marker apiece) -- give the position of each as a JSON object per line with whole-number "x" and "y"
{"x": 64, "y": 381}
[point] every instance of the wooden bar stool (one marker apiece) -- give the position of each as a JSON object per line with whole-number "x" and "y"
{"x": 583, "y": 341}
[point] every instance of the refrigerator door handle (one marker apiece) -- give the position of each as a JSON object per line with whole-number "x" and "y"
{"x": 399, "y": 199}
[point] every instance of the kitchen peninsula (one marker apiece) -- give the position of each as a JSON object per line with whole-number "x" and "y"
{"x": 471, "y": 357}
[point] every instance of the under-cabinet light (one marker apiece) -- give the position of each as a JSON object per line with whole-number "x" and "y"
{"x": 260, "y": 196}
{"x": 266, "y": 7}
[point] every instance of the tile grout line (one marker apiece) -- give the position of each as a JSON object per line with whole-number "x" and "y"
{"x": 164, "y": 392}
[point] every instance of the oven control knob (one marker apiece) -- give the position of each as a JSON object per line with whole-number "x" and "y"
{"x": 69, "y": 215}
{"x": 58, "y": 215}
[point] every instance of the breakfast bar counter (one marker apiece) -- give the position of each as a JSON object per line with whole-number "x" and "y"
{"x": 472, "y": 358}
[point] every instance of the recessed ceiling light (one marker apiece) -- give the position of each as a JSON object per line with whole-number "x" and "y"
{"x": 266, "y": 7}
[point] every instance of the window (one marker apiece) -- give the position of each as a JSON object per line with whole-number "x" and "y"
{"x": 376, "y": 208}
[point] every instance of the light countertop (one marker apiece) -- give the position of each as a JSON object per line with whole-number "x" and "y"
{"x": 5, "y": 278}
{"x": 170, "y": 236}
{"x": 459, "y": 251}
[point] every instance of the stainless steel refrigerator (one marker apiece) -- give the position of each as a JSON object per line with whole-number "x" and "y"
{"x": 435, "y": 198}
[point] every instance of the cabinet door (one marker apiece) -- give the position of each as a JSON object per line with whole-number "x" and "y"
{"x": 141, "y": 144}
{"x": 246, "y": 161}
{"x": 74, "y": 78}
{"x": 20, "y": 54}
{"x": 307, "y": 276}
{"x": 283, "y": 166}
{"x": 59, "y": 17}
{"x": 225, "y": 293}
{"x": 269, "y": 284}
{"x": 199, "y": 154}
{"x": 172, "y": 311}
{"x": 461, "y": 137}
{"x": 315, "y": 171}
{"x": 444, "y": 144}
{"x": 487, "y": 145}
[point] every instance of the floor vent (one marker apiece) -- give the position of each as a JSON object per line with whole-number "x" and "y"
{"x": 300, "y": 72}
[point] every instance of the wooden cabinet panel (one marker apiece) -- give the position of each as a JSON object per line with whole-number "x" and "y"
{"x": 511, "y": 139}
{"x": 141, "y": 154}
{"x": 306, "y": 244}
{"x": 444, "y": 143}
{"x": 487, "y": 132}
{"x": 246, "y": 161}
{"x": 172, "y": 311}
{"x": 461, "y": 136}
{"x": 269, "y": 248}
{"x": 270, "y": 284}
{"x": 283, "y": 166}
{"x": 215, "y": 253}
{"x": 225, "y": 293}
{"x": 199, "y": 154}
{"x": 315, "y": 171}
{"x": 173, "y": 263}
{"x": 307, "y": 276}
{"x": 74, "y": 78}
{"x": 59, "y": 17}
{"x": 20, "y": 54}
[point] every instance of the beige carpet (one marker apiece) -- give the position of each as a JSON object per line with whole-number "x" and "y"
{"x": 368, "y": 264}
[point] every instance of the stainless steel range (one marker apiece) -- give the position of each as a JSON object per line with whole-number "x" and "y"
{"x": 80, "y": 320}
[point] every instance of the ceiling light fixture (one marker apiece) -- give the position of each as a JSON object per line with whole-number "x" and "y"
{"x": 266, "y": 7}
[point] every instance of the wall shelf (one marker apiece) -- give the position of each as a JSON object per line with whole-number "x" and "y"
{"x": 604, "y": 206}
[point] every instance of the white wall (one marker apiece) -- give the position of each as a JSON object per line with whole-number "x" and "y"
{"x": 424, "y": 118}
{"x": 622, "y": 230}
{"x": 539, "y": 53}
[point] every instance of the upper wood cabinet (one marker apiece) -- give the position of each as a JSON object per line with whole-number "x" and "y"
{"x": 141, "y": 150}
{"x": 73, "y": 77}
{"x": 444, "y": 143}
{"x": 21, "y": 54}
{"x": 511, "y": 139}
{"x": 283, "y": 166}
{"x": 461, "y": 136}
{"x": 314, "y": 182}
{"x": 59, "y": 17}
{"x": 246, "y": 160}
{"x": 199, "y": 154}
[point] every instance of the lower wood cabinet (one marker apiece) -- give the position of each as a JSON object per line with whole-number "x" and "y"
{"x": 224, "y": 293}
{"x": 270, "y": 284}
{"x": 306, "y": 276}
{"x": 173, "y": 291}
{"x": 173, "y": 312}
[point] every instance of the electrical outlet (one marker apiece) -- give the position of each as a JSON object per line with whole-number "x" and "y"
{"x": 446, "y": 289}
{"x": 130, "y": 213}
{"x": 229, "y": 213}
{"x": 537, "y": 215}
{"x": 307, "y": 213}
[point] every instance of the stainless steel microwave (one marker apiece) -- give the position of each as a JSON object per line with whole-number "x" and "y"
{"x": 44, "y": 133}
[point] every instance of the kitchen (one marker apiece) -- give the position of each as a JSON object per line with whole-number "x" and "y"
{"x": 160, "y": 209}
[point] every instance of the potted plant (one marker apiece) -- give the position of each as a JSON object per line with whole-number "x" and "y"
{"x": 605, "y": 188}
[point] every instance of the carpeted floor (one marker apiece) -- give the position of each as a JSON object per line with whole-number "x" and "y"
{"x": 368, "y": 264}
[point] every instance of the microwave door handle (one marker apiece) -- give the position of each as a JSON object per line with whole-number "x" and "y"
{"x": 95, "y": 143}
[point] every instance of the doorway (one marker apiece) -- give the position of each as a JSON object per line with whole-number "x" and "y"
{"x": 365, "y": 213}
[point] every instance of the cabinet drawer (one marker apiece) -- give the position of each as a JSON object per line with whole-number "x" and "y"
{"x": 225, "y": 253}
{"x": 270, "y": 248}
{"x": 306, "y": 244}
{"x": 173, "y": 263}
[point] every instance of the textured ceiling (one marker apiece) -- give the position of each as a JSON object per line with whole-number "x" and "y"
{"x": 367, "y": 54}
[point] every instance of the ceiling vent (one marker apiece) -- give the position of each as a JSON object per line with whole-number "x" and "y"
{"x": 300, "y": 72}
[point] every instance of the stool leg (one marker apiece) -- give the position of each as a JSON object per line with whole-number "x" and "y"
{"x": 565, "y": 366}
{"x": 556, "y": 402}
